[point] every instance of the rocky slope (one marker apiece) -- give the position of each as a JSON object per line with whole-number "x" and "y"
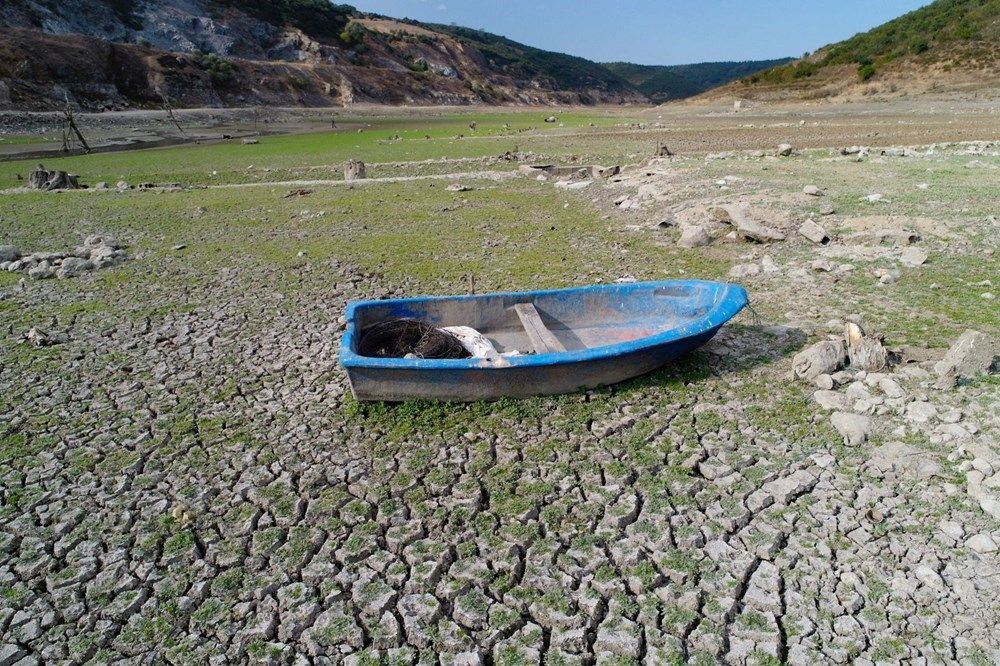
{"x": 120, "y": 53}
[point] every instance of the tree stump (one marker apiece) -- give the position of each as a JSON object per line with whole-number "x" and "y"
{"x": 45, "y": 180}
{"x": 354, "y": 170}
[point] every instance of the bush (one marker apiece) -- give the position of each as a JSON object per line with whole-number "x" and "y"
{"x": 418, "y": 65}
{"x": 866, "y": 72}
{"x": 219, "y": 70}
{"x": 920, "y": 46}
{"x": 352, "y": 35}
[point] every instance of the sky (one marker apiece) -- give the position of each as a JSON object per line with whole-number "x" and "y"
{"x": 659, "y": 32}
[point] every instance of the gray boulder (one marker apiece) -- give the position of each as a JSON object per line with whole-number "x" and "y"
{"x": 694, "y": 237}
{"x": 9, "y": 253}
{"x": 971, "y": 354}
{"x": 814, "y": 232}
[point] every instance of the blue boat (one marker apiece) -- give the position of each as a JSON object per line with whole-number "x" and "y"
{"x": 563, "y": 340}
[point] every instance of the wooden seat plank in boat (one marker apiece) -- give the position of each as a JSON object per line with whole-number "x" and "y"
{"x": 541, "y": 337}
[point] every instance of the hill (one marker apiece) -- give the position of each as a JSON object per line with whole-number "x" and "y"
{"x": 671, "y": 82}
{"x": 121, "y": 53}
{"x": 947, "y": 44}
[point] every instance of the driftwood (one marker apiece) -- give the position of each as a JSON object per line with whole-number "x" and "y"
{"x": 45, "y": 180}
{"x": 71, "y": 123}
{"x": 354, "y": 170}
{"x": 746, "y": 227}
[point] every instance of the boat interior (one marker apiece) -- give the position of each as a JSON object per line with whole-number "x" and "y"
{"x": 566, "y": 320}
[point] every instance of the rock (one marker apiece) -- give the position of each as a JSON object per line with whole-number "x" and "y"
{"x": 744, "y": 270}
{"x": 38, "y": 337}
{"x": 823, "y": 358}
{"x": 970, "y": 355}
{"x": 354, "y": 170}
{"x": 122, "y": 186}
{"x": 982, "y": 543}
{"x": 179, "y": 247}
{"x": 920, "y": 412}
{"x": 250, "y": 141}
{"x": 9, "y": 253}
{"x": 814, "y": 232}
{"x": 824, "y": 382}
{"x": 767, "y": 264}
{"x": 812, "y": 191}
{"x": 827, "y": 208}
{"x": 551, "y": 119}
{"x": 598, "y": 171}
{"x": 913, "y": 257}
{"x": 785, "y": 149}
{"x": 73, "y": 267}
{"x": 853, "y": 427}
{"x": 102, "y": 240}
{"x": 832, "y": 400}
{"x": 11, "y": 653}
{"x": 929, "y": 577}
{"x": 694, "y": 236}
{"x": 746, "y": 227}
{"x": 873, "y": 198}
{"x": 102, "y": 186}
{"x": 41, "y": 271}
{"x": 865, "y": 352}
{"x": 458, "y": 187}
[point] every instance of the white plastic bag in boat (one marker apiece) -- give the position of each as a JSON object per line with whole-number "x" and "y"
{"x": 474, "y": 342}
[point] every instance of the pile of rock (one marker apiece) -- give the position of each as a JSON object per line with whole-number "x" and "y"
{"x": 97, "y": 252}
{"x": 857, "y": 362}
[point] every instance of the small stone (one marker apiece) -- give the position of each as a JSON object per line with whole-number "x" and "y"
{"x": 744, "y": 270}
{"x": 853, "y": 427}
{"x": 178, "y": 247}
{"x": 832, "y": 400}
{"x": 785, "y": 149}
{"x": 694, "y": 236}
{"x": 458, "y": 187}
{"x": 920, "y": 412}
{"x": 812, "y": 191}
{"x": 982, "y": 543}
{"x": 913, "y": 257}
{"x": 814, "y": 232}
{"x": 824, "y": 382}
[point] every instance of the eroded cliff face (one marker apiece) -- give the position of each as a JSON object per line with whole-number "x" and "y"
{"x": 121, "y": 53}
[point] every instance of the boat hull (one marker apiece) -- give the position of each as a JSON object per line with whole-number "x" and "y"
{"x": 704, "y": 308}
{"x": 475, "y": 384}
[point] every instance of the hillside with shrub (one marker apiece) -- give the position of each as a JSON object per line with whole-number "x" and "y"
{"x": 671, "y": 82}
{"x": 116, "y": 54}
{"x": 946, "y": 45}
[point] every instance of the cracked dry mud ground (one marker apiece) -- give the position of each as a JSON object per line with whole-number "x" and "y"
{"x": 194, "y": 484}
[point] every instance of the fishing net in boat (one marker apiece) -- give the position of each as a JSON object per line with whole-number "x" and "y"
{"x": 399, "y": 337}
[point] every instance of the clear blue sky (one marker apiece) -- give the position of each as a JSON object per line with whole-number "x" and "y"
{"x": 659, "y": 32}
